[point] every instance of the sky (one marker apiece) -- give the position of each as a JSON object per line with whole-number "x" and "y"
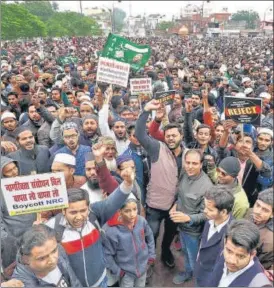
{"x": 170, "y": 8}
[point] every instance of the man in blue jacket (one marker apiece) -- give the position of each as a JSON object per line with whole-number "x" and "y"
{"x": 219, "y": 202}
{"x": 238, "y": 266}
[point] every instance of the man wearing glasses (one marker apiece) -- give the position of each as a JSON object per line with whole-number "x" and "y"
{"x": 227, "y": 173}
{"x": 70, "y": 134}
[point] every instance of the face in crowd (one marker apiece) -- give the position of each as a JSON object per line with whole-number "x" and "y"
{"x": 119, "y": 130}
{"x": 26, "y": 140}
{"x": 193, "y": 163}
{"x": 71, "y": 138}
{"x": 173, "y": 138}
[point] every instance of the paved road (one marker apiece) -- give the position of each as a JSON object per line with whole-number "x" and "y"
{"x": 162, "y": 276}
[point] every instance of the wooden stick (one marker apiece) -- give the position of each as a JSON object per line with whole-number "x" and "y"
{"x": 39, "y": 217}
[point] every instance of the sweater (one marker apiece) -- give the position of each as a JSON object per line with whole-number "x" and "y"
{"x": 84, "y": 248}
{"x": 126, "y": 250}
{"x": 161, "y": 190}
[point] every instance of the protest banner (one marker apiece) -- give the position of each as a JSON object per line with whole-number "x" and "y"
{"x": 112, "y": 72}
{"x": 123, "y": 50}
{"x": 165, "y": 97}
{"x": 140, "y": 85}
{"x": 243, "y": 110}
{"x": 34, "y": 193}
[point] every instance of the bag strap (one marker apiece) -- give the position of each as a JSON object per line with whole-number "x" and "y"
{"x": 59, "y": 229}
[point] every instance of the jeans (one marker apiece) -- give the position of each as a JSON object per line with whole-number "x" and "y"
{"x": 154, "y": 219}
{"x": 190, "y": 251}
{"x": 104, "y": 283}
{"x": 131, "y": 281}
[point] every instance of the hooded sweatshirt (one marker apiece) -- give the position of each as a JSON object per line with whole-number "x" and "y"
{"x": 14, "y": 225}
{"x": 126, "y": 250}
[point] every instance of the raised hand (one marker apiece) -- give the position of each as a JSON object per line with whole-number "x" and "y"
{"x": 160, "y": 114}
{"x": 128, "y": 175}
{"x": 8, "y": 146}
{"x": 188, "y": 105}
{"x": 152, "y": 105}
{"x": 98, "y": 151}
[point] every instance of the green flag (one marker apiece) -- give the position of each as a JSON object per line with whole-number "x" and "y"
{"x": 63, "y": 60}
{"x": 123, "y": 50}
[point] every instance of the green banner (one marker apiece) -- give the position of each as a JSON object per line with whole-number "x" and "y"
{"x": 63, "y": 60}
{"x": 123, "y": 50}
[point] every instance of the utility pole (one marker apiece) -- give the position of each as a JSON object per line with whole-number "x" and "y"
{"x": 81, "y": 8}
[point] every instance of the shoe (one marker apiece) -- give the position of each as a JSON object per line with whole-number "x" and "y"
{"x": 182, "y": 277}
{"x": 168, "y": 259}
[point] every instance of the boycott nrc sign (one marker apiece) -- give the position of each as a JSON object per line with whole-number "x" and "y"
{"x": 35, "y": 193}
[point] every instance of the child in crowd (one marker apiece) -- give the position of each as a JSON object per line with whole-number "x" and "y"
{"x": 129, "y": 246}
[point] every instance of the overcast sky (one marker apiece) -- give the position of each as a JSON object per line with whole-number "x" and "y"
{"x": 171, "y": 7}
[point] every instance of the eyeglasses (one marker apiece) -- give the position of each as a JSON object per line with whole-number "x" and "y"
{"x": 73, "y": 137}
{"x": 222, "y": 173}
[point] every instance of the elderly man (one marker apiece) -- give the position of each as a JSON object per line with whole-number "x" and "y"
{"x": 70, "y": 133}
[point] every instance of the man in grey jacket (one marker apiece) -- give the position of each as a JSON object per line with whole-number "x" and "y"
{"x": 42, "y": 262}
{"x": 188, "y": 210}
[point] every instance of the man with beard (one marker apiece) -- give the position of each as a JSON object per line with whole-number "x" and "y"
{"x": 70, "y": 134}
{"x": 91, "y": 132}
{"x": 166, "y": 163}
{"x": 110, "y": 152}
{"x": 37, "y": 115}
{"x": 118, "y": 131}
{"x": 262, "y": 216}
{"x": 9, "y": 123}
{"x": 264, "y": 150}
{"x": 35, "y": 158}
{"x": 92, "y": 184}
{"x": 176, "y": 110}
{"x": 226, "y": 175}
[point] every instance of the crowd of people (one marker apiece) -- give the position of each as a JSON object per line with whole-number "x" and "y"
{"x": 130, "y": 165}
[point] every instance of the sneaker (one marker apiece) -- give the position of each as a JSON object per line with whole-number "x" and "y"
{"x": 182, "y": 277}
{"x": 168, "y": 259}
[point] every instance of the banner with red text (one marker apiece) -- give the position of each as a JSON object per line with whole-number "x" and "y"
{"x": 112, "y": 72}
{"x": 140, "y": 85}
{"x": 35, "y": 193}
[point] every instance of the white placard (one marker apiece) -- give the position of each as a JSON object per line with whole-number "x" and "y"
{"x": 140, "y": 85}
{"x": 112, "y": 72}
{"x": 35, "y": 193}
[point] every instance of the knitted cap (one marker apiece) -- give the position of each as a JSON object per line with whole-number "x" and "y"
{"x": 231, "y": 166}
